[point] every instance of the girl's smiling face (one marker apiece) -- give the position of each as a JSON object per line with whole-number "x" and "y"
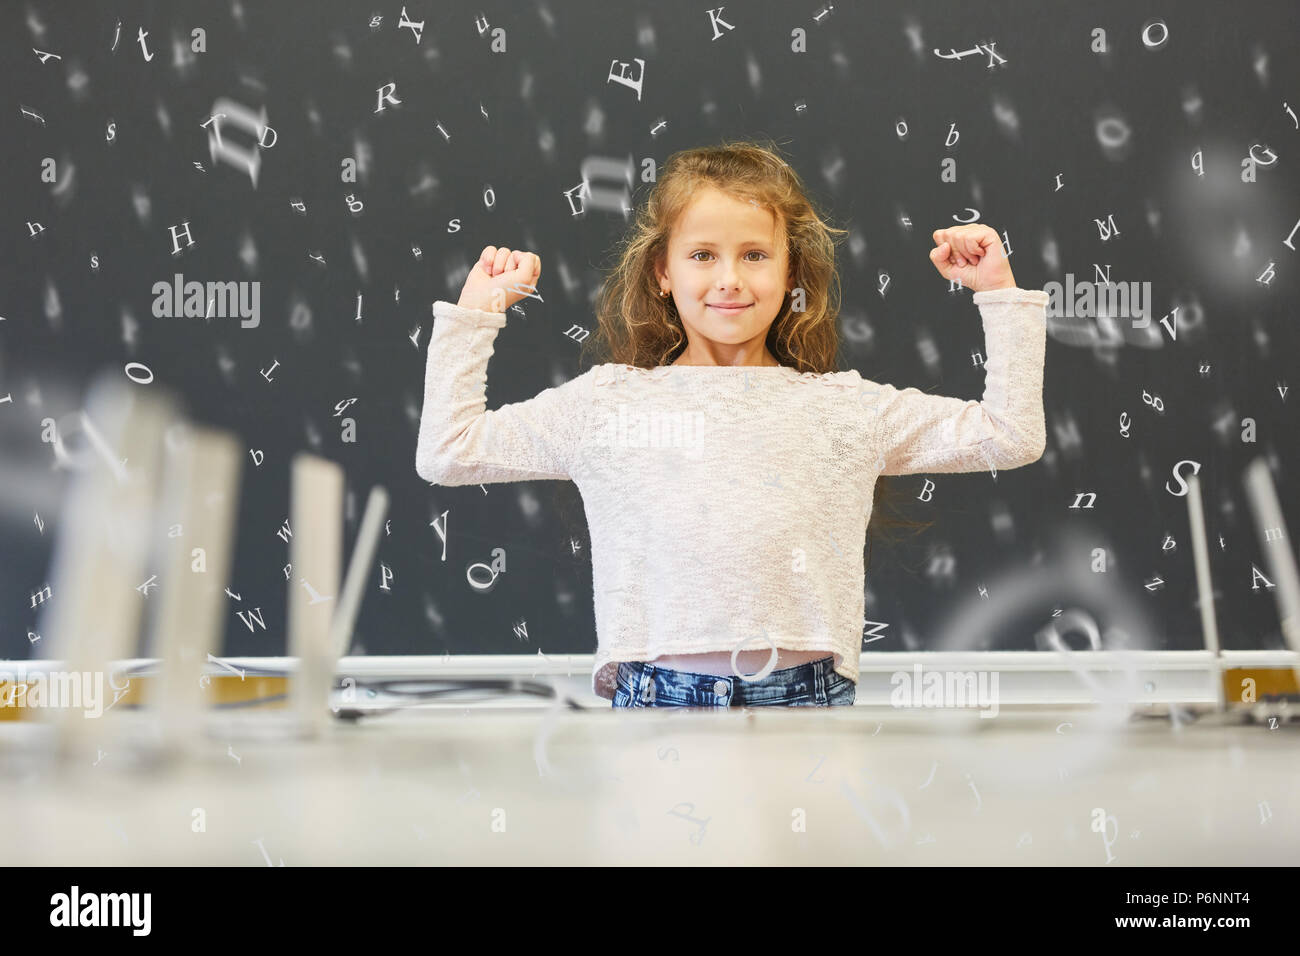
{"x": 725, "y": 251}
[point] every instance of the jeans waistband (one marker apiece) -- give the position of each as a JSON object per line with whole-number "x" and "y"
{"x": 645, "y": 681}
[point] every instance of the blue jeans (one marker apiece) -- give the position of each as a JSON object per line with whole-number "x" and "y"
{"x": 814, "y": 684}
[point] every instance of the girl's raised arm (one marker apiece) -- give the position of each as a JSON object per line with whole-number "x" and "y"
{"x": 918, "y": 433}
{"x": 460, "y": 441}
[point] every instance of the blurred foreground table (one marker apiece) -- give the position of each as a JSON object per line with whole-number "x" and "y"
{"x": 858, "y": 786}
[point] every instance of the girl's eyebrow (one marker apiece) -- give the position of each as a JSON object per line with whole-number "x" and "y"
{"x": 747, "y": 242}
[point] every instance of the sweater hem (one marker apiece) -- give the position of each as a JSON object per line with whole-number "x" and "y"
{"x": 478, "y": 317}
{"x": 1015, "y": 295}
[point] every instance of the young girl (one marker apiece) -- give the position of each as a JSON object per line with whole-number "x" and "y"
{"x": 728, "y": 473}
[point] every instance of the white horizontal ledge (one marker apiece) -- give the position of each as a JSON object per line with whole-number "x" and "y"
{"x": 1025, "y": 678}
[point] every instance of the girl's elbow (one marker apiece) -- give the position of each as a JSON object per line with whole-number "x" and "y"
{"x": 438, "y": 455}
{"x": 430, "y": 469}
{"x": 434, "y": 462}
{"x": 1035, "y": 450}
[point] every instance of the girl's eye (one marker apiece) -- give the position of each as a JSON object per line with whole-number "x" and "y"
{"x": 705, "y": 252}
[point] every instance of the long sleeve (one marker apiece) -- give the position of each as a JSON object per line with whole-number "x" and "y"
{"x": 921, "y": 433}
{"x": 460, "y": 441}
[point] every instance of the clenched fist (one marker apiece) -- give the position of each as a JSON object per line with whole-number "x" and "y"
{"x": 972, "y": 255}
{"x": 499, "y": 279}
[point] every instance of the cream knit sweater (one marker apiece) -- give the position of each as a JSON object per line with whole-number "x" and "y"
{"x": 727, "y": 504}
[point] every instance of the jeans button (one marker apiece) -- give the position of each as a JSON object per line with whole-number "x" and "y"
{"x": 720, "y": 688}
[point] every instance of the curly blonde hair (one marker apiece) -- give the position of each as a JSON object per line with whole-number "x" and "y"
{"x": 637, "y": 327}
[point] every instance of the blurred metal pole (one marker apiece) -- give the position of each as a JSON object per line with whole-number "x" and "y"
{"x": 1270, "y": 526}
{"x": 101, "y": 582}
{"x": 201, "y": 494}
{"x": 316, "y": 556}
{"x": 1204, "y": 583}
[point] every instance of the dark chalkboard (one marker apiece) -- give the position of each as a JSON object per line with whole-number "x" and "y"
{"x": 1084, "y": 160}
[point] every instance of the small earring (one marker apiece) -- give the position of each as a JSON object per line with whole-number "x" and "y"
{"x": 663, "y": 293}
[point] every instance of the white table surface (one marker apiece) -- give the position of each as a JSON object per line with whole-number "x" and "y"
{"x": 874, "y": 785}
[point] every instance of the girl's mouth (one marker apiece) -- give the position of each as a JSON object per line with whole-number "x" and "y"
{"x": 729, "y": 311}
